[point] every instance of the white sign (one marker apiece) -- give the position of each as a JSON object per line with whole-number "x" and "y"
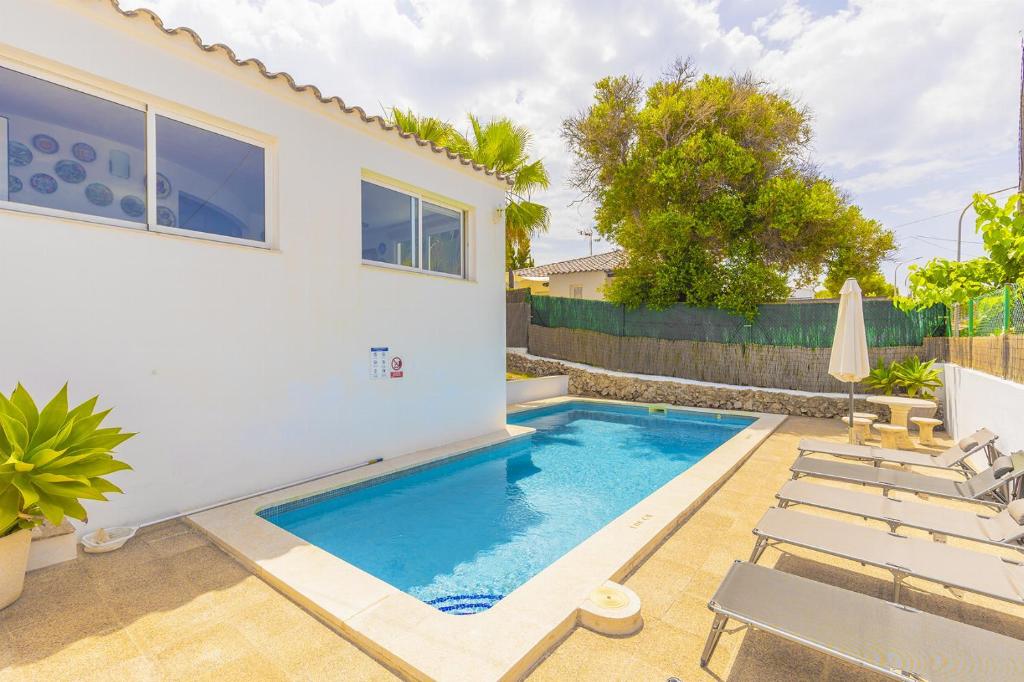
{"x": 379, "y": 366}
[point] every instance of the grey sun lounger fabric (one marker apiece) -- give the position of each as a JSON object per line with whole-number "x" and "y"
{"x": 985, "y": 486}
{"x": 948, "y": 459}
{"x": 978, "y": 572}
{"x": 1006, "y": 526}
{"x": 897, "y": 641}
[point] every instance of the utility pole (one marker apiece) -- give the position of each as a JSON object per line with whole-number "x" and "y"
{"x": 1020, "y": 126}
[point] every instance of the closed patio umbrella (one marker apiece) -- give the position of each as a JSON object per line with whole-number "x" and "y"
{"x": 849, "y": 360}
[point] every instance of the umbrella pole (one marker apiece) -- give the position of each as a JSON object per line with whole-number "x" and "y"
{"x": 851, "y": 412}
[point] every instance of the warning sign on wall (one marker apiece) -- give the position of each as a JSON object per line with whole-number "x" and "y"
{"x": 396, "y": 368}
{"x": 379, "y": 362}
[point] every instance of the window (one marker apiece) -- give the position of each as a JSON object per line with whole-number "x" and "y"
{"x": 405, "y": 230}
{"x": 207, "y": 182}
{"x": 577, "y": 292}
{"x": 65, "y": 152}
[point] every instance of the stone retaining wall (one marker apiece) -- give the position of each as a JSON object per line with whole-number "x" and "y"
{"x": 601, "y": 385}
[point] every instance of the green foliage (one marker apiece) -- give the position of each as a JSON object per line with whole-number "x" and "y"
{"x": 916, "y": 377}
{"x": 519, "y": 257}
{"x": 951, "y": 282}
{"x": 52, "y": 458}
{"x": 913, "y": 377}
{"x": 502, "y": 145}
{"x": 1002, "y": 231}
{"x": 705, "y": 184}
{"x": 882, "y": 378}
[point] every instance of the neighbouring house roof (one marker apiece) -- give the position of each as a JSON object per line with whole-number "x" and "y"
{"x": 311, "y": 89}
{"x": 606, "y": 262}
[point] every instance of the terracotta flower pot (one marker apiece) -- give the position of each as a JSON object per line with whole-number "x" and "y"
{"x": 13, "y": 563}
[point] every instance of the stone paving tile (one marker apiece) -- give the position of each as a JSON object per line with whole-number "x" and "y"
{"x": 171, "y": 605}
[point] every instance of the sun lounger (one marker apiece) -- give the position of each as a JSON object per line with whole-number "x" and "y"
{"x": 952, "y": 458}
{"x": 1001, "y": 529}
{"x": 995, "y": 486}
{"x": 897, "y": 641}
{"x": 982, "y": 573}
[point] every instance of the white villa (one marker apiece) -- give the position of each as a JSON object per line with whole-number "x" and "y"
{"x": 575, "y": 278}
{"x": 267, "y": 283}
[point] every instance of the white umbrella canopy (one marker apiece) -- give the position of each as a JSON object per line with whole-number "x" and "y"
{"x": 849, "y": 360}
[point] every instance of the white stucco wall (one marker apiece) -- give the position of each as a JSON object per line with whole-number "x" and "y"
{"x": 244, "y": 368}
{"x": 536, "y": 388}
{"x": 592, "y": 282}
{"x": 975, "y": 400}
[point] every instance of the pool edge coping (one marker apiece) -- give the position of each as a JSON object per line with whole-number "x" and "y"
{"x": 508, "y": 640}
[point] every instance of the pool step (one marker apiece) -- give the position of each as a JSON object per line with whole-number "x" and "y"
{"x": 465, "y": 604}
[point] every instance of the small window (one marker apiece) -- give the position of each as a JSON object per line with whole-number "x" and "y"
{"x": 64, "y": 150}
{"x": 402, "y": 229}
{"x": 577, "y": 292}
{"x": 442, "y": 239}
{"x": 390, "y": 223}
{"x": 210, "y": 183}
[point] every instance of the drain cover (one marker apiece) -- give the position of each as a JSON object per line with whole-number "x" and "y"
{"x": 609, "y": 597}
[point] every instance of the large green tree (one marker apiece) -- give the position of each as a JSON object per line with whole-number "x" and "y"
{"x": 705, "y": 183}
{"x": 502, "y": 145}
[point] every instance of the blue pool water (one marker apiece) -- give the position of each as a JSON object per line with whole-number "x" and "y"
{"x": 463, "y": 533}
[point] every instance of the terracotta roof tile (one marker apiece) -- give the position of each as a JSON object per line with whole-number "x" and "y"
{"x": 602, "y": 261}
{"x": 312, "y": 89}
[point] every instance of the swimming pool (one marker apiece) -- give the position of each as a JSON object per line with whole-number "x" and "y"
{"x": 462, "y": 533}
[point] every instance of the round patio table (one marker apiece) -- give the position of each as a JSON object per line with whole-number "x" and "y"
{"x": 899, "y": 406}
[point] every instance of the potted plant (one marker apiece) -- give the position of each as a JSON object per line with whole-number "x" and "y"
{"x": 49, "y": 460}
{"x": 919, "y": 380}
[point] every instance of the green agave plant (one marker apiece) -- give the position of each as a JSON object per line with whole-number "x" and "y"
{"x": 52, "y": 458}
{"x": 882, "y": 378}
{"x": 917, "y": 377}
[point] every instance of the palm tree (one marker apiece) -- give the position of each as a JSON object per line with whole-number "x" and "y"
{"x": 503, "y": 146}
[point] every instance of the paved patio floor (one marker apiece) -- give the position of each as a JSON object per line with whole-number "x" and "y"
{"x": 172, "y": 606}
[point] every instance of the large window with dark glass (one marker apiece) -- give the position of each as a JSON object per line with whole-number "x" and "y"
{"x": 207, "y": 182}
{"x": 67, "y": 152}
{"x": 399, "y": 228}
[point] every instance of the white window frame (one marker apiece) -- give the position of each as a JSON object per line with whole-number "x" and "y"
{"x": 150, "y": 110}
{"x": 421, "y": 268}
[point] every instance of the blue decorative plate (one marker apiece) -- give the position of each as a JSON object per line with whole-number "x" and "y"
{"x": 45, "y": 144}
{"x": 13, "y": 184}
{"x": 69, "y": 171}
{"x": 19, "y": 154}
{"x": 163, "y": 186}
{"x": 83, "y": 152}
{"x": 165, "y": 216}
{"x": 133, "y": 206}
{"x": 99, "y": 194}
{"x": 43, "y": 183}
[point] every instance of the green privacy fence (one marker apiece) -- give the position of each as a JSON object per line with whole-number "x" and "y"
{"x": 1000, "y": 311}
{"x": 807, "y": 324}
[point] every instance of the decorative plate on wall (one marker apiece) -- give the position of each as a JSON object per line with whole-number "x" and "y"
{"x": 99, "y": 194}
{"x": 19, "y": 154}
{"x": 163, "y": 186}
{"x": 70, "y": 171}
{"x": 13, "y": 184}
{"x": 133, "y": 206}
{"x": 83, "y": 152}
{"x": 43, "y": 183}
{"x": 165, "y": 217}
{"x": 45, "y": 144}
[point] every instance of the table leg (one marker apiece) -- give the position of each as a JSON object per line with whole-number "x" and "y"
{"x": 898, "y": 415}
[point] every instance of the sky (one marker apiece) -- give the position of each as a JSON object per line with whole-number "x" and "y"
{"x": 914, "y": 102}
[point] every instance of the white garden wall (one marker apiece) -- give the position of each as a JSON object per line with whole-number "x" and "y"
{"x": 538, "y": 388}
{"x": 975, "y": 399}
{"x": 244, "y": 368}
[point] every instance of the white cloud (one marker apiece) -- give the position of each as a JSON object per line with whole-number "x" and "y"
{"x": 914, "y": 101}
